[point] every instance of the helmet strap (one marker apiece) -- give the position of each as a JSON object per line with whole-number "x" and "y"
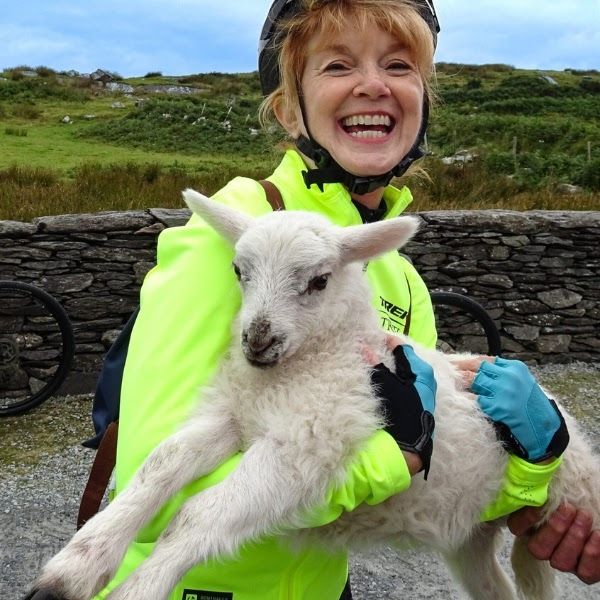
{"x": 329, "y": 171}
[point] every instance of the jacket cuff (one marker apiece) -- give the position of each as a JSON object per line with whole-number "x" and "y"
{"x": 525, "y": 484}
{"x": 377, "y": 472}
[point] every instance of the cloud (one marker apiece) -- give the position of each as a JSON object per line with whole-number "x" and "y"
{"x": 190, "y": 36}
{"x": 524, "y": 33}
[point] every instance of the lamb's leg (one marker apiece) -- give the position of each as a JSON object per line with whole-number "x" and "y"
{"x": 264, "y": 493}
{"x": 476, "y": 567}
{"x": 92, "y": 556}
{"x": 536, "y": 579}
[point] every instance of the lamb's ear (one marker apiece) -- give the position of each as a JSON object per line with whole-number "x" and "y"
{"x": 363, "y": 242}
{"x": 227, "y": 221}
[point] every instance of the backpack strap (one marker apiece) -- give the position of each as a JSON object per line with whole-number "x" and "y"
{"x": 273, "y": 194}
{"x": 409, "y": 314}
{"x": 103, "y": 466}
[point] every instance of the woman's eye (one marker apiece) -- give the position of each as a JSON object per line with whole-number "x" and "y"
{"x": 318, "y": 284}
{"x": 398, "y": 65}
{"x": 336, "y": 66}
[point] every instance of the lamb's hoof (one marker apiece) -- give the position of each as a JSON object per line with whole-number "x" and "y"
{"x": 44, "y": 594}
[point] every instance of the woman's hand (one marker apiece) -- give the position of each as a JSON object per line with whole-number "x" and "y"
{"x": 408, "y": 400}
{"x": 528, "y": 422}
{"x": 567, "y": 540}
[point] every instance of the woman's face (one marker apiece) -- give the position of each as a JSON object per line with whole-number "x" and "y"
{"x": 363, "y": 98}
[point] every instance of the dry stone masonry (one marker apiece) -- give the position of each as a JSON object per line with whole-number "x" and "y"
{"x": 537, "y": 273}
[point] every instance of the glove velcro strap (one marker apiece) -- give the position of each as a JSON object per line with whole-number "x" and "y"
{"x": 407, "y": 422}
{"x": 560, "y": 440}
{"x": 557, "y": 445}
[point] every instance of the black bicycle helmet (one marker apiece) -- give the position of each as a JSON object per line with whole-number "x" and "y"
{"x": 327, "y": 169}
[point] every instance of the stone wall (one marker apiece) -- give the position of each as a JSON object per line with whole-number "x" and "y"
{"x": 537, "y": 273}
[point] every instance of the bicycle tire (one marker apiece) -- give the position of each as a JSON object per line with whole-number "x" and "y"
{"x": 471, "y": 307}
{"x": 44, "y": 301}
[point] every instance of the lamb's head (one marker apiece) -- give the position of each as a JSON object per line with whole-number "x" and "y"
{"x": 299, "y": 274}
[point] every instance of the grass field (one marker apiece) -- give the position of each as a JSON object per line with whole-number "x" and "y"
{"x": 527, "y": 136}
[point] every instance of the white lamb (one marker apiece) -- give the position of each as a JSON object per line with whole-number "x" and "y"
{"x": 301, "y": 420}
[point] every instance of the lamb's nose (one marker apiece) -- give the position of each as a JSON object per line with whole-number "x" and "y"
{"x": 259, "y": 345}
{"x": 258, "y": 336}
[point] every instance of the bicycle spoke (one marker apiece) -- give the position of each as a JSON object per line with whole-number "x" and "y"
{"x": 35, "y": 346}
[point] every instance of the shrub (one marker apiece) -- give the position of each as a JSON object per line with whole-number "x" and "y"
{"x": 500, "y": 162}
{"x": 45, "y": 71}
{"x": 590, "y": 85}
{"x": 473, "y": 84}
{"x": 28, "y": 176}
{"x": 16, "y": 131}
{"x": 152, "y": 74}
{"x": 589, "y": 175}
{"x": 26, "y": 111}
{"x": 15, "y": 75}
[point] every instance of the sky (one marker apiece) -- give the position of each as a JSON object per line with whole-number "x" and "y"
{"x": 181, "y": 37}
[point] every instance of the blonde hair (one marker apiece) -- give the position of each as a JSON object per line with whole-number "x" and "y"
{"x": 399, "y": 18}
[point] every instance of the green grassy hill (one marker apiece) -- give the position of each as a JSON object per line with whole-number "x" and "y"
{"x": 69, "y": 145}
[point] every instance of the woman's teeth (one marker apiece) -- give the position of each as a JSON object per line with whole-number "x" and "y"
{"x": 367, "y": 126}
{"x": 367, "y": 120}
{"x": 368, "y": 134}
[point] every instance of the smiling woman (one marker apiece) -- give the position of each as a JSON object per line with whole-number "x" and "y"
{"x": 363, "y": 98}
{"x": 349, "y": 82}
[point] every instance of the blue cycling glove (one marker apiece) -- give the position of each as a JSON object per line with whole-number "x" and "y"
{"x": 408, "y": 402}
{"x": 526, "y": 420}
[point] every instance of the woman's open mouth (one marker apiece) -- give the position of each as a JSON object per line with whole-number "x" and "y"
{"x": 371, "y": 126}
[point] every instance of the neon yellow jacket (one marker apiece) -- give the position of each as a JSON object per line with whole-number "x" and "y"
{"x": 188, "y": 303}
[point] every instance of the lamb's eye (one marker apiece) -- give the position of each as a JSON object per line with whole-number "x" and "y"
{"x": 236, "y": 270}
{"x": 318, "y": 284}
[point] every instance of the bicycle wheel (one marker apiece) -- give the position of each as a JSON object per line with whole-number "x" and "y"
{"x": 464, "y": 325}
{"x": 36, "y": 346}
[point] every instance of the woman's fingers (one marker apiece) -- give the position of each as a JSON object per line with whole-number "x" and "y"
{"x": 521, "y": 521}
{"x": 567, "y": 553}
{"x": 588, "y": 569}
{"x": 468, "y": 368}
{"x": 566, "y": 540}
{"x": 391, "y": 341}
{"x": 544, "y": 542}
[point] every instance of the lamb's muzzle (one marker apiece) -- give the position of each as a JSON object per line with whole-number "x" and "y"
{"x": 260, "y": 346}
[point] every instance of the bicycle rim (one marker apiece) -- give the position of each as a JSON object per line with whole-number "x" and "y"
{"x": 464, "y": 325}
{"x": 36, "y": 346}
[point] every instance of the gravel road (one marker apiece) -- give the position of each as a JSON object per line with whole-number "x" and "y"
{"x": 44, "y": 467}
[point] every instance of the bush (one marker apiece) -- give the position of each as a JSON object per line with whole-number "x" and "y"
{"x": 26, "y": 111}
{"x": 45, "y": 71}
{"x": 152, "y": 74}
{"x": 16, "y": 131}
{"x": 15, "y": 75}
{"x": 590, "y": 85}
{"x": 500, "y": 162}
{"x": 28, "y": 176}
{"x": 589, "y": 175}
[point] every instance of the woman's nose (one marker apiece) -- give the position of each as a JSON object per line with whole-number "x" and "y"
{"x": 372, "y": 83}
